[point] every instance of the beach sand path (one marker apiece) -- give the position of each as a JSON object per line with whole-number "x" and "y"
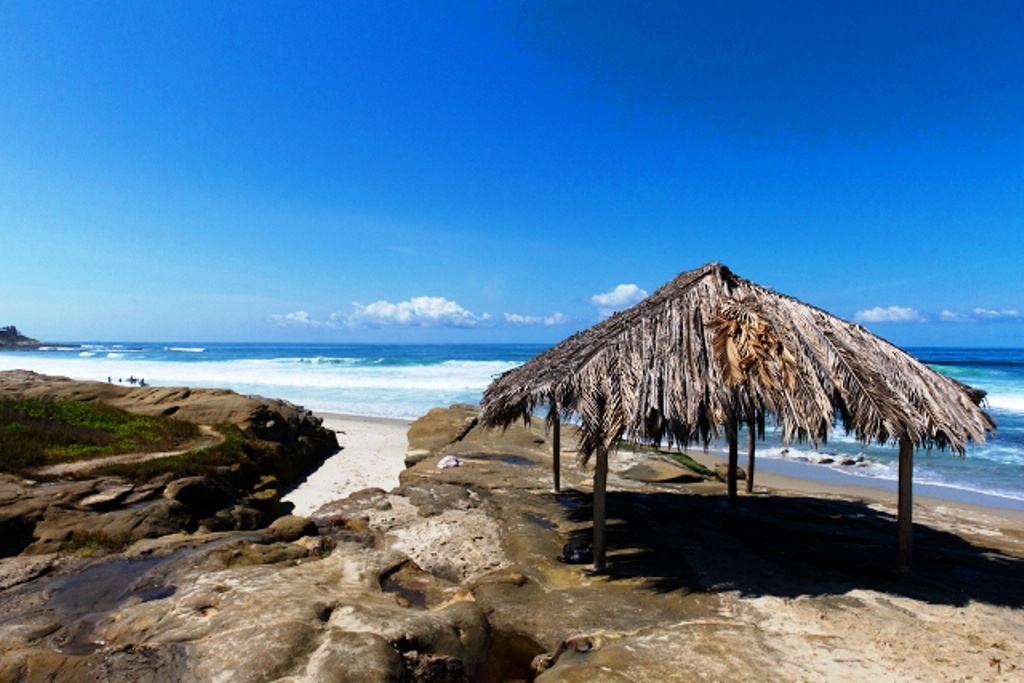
{"x": 372, "y": 455}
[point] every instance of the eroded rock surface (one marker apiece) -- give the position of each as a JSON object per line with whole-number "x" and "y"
{"x": 455, "y": 576}
{"x": 46, "y": 516}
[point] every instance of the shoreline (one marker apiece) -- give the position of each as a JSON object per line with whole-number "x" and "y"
{"x": 374, "y": 448}
{"x": 360, "y": 386}
{"x": 809, "y": 478}
{"x": 788, "y": 478}
{"x": 797, "y": 476}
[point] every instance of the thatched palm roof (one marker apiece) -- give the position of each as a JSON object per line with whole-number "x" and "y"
{"x": 710, "y": 346}
{"x": 710, "y": 351}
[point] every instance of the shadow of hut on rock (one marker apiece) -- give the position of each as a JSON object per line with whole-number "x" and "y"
{"x": 788, "y": 546}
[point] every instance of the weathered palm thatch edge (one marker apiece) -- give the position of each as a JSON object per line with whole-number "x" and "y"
{"x": 661, "y": 370}
{"x": 709, "y": 351}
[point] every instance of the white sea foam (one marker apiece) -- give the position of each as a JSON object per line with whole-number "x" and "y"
{"x": 888, "y": 472}
{"x": 405, "y": 382}
{"x": 1006, "y": 401}
{"x": 405, "y": 391}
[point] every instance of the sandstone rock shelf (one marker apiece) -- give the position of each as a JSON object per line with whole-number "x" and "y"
{"x": 454, "y": 575}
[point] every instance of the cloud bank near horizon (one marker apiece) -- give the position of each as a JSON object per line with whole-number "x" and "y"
{"x": 440, "y": 312}
{"x": 979, "y": 315}
{"x": 419, "y": 311}
{"x": 890, "y": 314}
{"x": 904, "y": 314}
{"x": 547, "y": 321}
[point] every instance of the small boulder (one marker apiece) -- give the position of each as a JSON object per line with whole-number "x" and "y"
{"x": 200, "y": 495}
{"x": 237, "y": 518}
{"x": 107, "y": 498}
{"x": 722, "y": 473}
{"x": 291, "y": 528}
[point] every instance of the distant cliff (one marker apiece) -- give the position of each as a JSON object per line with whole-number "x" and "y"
{"x": 10, "y": 338}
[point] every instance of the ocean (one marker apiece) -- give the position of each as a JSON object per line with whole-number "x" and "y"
{"x": 405, "y": 381}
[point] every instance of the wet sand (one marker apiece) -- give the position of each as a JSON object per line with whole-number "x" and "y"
{"x": 772, "y": 475}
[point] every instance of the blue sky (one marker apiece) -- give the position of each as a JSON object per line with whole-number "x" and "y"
{"x": 444, "y": 171}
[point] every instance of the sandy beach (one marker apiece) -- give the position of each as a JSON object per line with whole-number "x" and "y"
{"x": 372, "y": 456}
{"x": 818, "y": 480}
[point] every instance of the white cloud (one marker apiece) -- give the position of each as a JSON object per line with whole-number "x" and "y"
{"x": 892, "y": 314}
{"x": 980, "y": 315}
{"x": 948, "y": 316}
{"x": 420, "y": 311}
{"x": 622, "y": 297}
{"x": 990, "y": 314}
{"x": 547, "y": 321}
{"x": 298, "y": 318}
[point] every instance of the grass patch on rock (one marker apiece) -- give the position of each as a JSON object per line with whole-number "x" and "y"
{"x": 681, "y": 457}
{"x": 235, "y": 452}
{"x": 688, "y": 462}
{"x": 35, "y": 432}
{"x": 95, "y": 543}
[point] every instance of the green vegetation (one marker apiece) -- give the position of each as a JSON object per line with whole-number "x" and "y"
{"x": 680, "y": 457}
{"x": 234, "y": 452}
{"x": 95, "y": 543}
{"x": 686, "y": 461}
{"x": 37, "y": 432}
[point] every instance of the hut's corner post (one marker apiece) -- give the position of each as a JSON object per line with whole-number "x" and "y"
{"x": 751, "y": 445}
{"x": 734, "y": 457}
{"x": 905, "y": 506}
{"x": 600, "y": 509}
{"x": 556, "y": 450}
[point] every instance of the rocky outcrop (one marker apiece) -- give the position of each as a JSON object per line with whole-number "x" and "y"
{"x": 283, "y": 444}
{"x": 296, "y": 439}
{"x": 456, "y": 575}
{"x": 10, "y": 338}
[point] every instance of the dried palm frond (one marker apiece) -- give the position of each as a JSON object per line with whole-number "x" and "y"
{"x": 710, "y": 347}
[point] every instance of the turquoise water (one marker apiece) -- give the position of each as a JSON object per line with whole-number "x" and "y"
{"x": 404, "y": 381}
{"x": 995, "y": 468}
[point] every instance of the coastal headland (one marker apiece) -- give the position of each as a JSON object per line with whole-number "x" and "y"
{"x": 10, "y": 338}
{"x": 400, "y": 569}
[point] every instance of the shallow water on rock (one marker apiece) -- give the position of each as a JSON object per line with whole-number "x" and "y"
{"x": 509, "y": 658}
{"x": 540, "y": 520}
{"x": 410, "y": 591}
{"x": 571, "y": 502}
{"x": 518, "y": 460}
{"x": 81, "y": 600}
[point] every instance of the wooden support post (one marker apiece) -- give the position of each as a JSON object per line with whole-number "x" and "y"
{"x": 734, "y": 457}
{"x": 556, "y": 449}
{"x": 600, "y": 509}
{"x": 905, "y": 505}
{"x": 751, "y": 444}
